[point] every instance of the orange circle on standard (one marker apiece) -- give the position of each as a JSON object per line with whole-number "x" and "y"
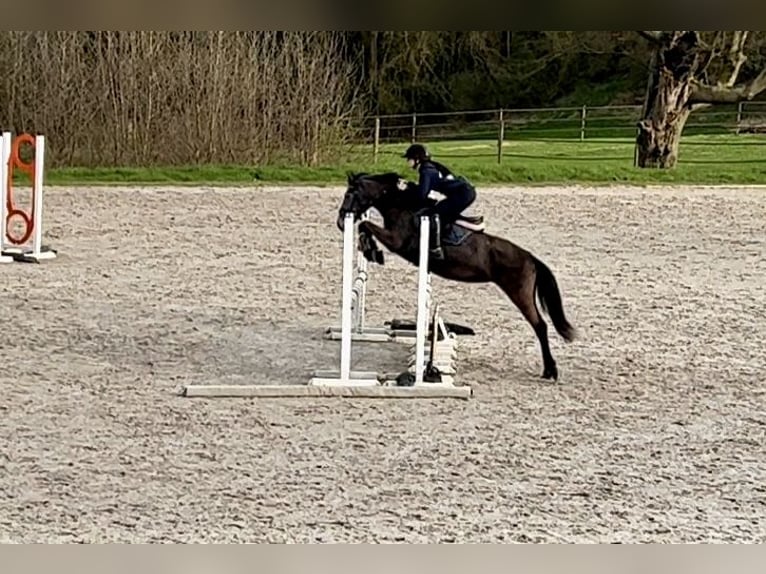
{"x": 28, "y": 227}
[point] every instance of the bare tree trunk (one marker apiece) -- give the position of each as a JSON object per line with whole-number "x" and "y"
{"x": 674, "y": 64}
{"x": 680, "y": 82}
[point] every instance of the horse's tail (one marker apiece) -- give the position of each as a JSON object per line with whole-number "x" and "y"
{"x": 550, "y": 300}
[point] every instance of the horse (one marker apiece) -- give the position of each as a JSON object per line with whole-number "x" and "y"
{"x": 470, "y": 254}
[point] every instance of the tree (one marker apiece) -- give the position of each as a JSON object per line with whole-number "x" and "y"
{"x": 689, "y": 70}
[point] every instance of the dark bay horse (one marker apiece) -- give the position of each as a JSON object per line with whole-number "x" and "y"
{"x": 470, "y": 255}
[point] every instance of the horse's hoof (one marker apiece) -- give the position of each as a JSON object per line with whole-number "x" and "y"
{"x": 405, "y": 379}
{"x": 379, "y": 257}
{"x": 551, "y": 373}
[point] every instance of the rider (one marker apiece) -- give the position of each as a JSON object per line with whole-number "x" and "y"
{"x": 437, "y": 177}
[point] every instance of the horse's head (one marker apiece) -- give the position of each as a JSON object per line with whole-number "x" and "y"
{"x": 365, "y": 191}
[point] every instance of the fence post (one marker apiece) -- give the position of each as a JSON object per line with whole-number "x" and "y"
{"x": 414, "y": 123}
{"x": 739, "y": 115}
{"x": 582, "y": 123}
{"x": 500, "y": 137}
{"x": 376, "y": 141}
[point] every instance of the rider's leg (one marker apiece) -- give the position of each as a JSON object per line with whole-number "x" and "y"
{"x": 461, "y": 200}
{"x": 436, "y": 236}
{"x": 447, "y": 211}
{"x": 456, "y": 203}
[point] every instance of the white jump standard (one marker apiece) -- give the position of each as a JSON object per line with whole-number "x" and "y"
{"x": 345, "y": 377}
{"x": 426, "y": 376}
{"x": 28, "y": 247}
{"x": 359, "y": 330}
{"x": 413, "y": 380}
{"x": 395, "y": 331}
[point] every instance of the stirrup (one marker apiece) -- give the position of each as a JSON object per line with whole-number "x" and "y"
{"x": 436, "y": 252}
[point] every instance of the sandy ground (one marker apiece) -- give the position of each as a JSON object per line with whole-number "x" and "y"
{"x": 656, "y": 431}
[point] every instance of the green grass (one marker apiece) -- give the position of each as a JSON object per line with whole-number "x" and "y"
{"x": 719, "y": 159}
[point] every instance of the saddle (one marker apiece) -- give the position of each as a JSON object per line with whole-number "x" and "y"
{"x": 472, "y": 222}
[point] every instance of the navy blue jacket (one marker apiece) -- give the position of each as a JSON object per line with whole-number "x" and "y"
{"x": 434, "y": 176}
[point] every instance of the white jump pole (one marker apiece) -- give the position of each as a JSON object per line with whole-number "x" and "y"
{"x": 5, "y": 158}
{"x": 423, "y": 295}
{"x": 360, "y": 289}
{"x": 37, "y": 235}
{"x": 345, "y": 312}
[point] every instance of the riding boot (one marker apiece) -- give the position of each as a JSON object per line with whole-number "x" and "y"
{"x": 436, "y": 238}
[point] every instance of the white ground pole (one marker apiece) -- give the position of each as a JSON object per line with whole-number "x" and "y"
{"x": 5, "y": 157}
{"x": 345, "y": 382}
{"x": 33, "y": 251}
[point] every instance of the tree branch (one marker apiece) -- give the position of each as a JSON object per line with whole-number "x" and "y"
{"x": 737, "y": 56}
{"x": 705, "y": 94}
{"x": 654, "y": 37}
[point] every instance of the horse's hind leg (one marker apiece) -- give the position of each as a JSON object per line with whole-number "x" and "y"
{"x": 521, "y": 290}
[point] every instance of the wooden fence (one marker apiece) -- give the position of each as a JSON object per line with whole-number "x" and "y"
{"x": 549, "y": 124}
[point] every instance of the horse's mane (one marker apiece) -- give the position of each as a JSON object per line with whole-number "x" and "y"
{"x": 388, "y": 178}
{"x": 401, "y": 198}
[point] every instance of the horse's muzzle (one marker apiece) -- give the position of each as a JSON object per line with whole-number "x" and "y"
{"x": 347, "y": 206}
{"x": 342, "y": 213}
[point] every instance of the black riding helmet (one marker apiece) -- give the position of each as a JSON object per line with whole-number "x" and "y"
{"x": 417, "y": 152}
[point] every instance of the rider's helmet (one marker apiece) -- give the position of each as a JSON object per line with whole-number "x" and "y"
{"x": 416, "y": 152}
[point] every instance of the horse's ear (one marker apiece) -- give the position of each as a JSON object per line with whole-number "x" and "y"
{"x": 393, "y": 178}
{"x": 354, "y": 177}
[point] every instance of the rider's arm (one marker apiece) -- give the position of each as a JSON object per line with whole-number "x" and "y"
{"x": 428, "y": 176}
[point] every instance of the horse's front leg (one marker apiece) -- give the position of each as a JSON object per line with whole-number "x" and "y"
{"x": 390, "y": 240}
{"x": 369, "y": 248}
